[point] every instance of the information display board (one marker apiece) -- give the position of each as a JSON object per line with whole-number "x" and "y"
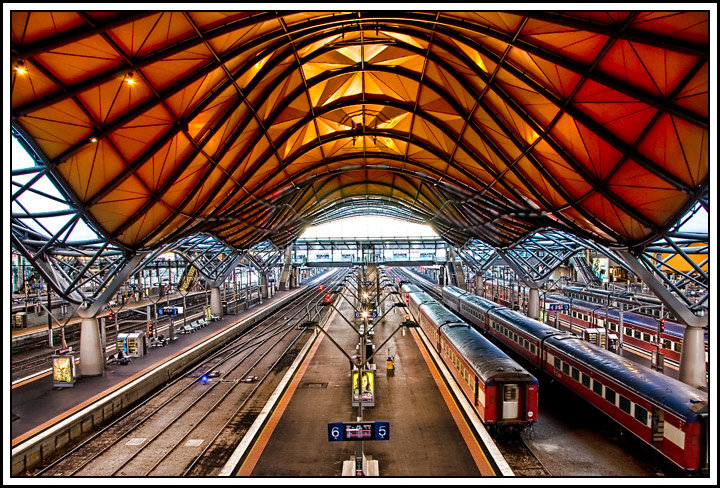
{"x": 358, "y": 431}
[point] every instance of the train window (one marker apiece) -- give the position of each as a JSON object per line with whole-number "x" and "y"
{"x": 624, "y": 404}
{"x": 566, "y": 368}
{"x": 628, "y": 331}
{"x": 585, "y": 380}
{"x": 556, "y": 363}
{"x": 610, "y": 395}
{"x": 641, "y": 414}
{"x": 638, "y": 334}
{"x": 575, "y": 374}
{"x": 646, "y": 337}
{"x": 597, "y": 387}
{"x": 510, "y": 393}
{"x": 666, "y": 343}
{"x": 532, "y": 348}
{"x": 677, "y": 347}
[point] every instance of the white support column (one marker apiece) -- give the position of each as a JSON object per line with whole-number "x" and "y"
{"x": 479, "y": 283}
{"x": 264, "y": 285}
{"x": 692, "y": 361}
{"x": 92, "y": 352}
{"x": 534, "y": 303}
{"x": 216, "y": 301}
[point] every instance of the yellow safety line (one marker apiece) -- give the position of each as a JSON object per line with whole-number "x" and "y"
{"x": 478, "y": 455}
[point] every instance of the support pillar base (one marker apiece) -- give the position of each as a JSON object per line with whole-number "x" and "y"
{"x": 92, "y": 352}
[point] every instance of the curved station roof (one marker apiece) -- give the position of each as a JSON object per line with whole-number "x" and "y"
{"x": 251, "y": 126}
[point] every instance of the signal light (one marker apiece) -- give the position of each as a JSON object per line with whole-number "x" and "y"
{"x": 662, "y": 325}
{"x": 407, "y": 297}
{"x": 204, "y": 379}
{"x": 328, "y": 298}
{"x": 321, "y": 287}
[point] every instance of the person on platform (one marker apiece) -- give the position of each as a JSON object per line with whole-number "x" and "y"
{"x": 122, "y": 357}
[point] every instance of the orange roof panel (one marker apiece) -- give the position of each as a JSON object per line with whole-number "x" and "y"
{"x": 482, "y": 124}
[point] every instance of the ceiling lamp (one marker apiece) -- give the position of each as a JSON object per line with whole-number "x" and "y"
{"x": 20, "y": 67}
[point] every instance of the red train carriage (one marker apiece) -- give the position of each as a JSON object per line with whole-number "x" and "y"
{"x": 666, "y": 414}
{"x": 503, "y": 393}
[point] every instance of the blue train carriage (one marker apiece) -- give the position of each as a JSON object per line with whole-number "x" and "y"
{"x": 665, "y": 413}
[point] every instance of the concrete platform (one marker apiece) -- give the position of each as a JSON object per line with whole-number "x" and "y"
{"x": 428, "y": 434}
{"x": 36, "y": 405}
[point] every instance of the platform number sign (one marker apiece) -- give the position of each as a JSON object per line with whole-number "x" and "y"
{"x": 358, "y": 431}
{"x": 372, "y": 314}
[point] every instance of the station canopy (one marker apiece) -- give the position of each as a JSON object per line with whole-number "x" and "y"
{"x": 251, "y": 126}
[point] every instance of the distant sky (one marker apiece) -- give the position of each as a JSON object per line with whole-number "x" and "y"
{"x": 370, "y": 226}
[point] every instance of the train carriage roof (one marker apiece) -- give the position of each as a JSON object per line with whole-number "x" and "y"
{"x": 534, "y": 327}
{"x": 440, "y": 315}
{"x": 486, "y": 359}
{"x": 673, "y": 395}
{"x": 484, "y": 303}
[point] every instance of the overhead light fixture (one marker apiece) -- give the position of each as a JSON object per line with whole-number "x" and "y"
{"x": 20, "y": 67}
{"x": 129, "y": 79}
{"x": 93, "y": 139}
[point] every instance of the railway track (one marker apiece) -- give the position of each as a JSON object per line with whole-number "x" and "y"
{"x": 192, "y": 425}
{"x": 519, "y": 456}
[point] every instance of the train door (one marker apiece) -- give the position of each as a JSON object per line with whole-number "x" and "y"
{"x": 658, "y": 424}
{"x": 511, "y": 401}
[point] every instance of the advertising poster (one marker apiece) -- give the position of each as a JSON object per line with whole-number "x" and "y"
{"x": 366, "y": 390}
{"x": 63, "y": 371}
{"x": 600, "y": 268}
{"x": 188, "y": 278}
